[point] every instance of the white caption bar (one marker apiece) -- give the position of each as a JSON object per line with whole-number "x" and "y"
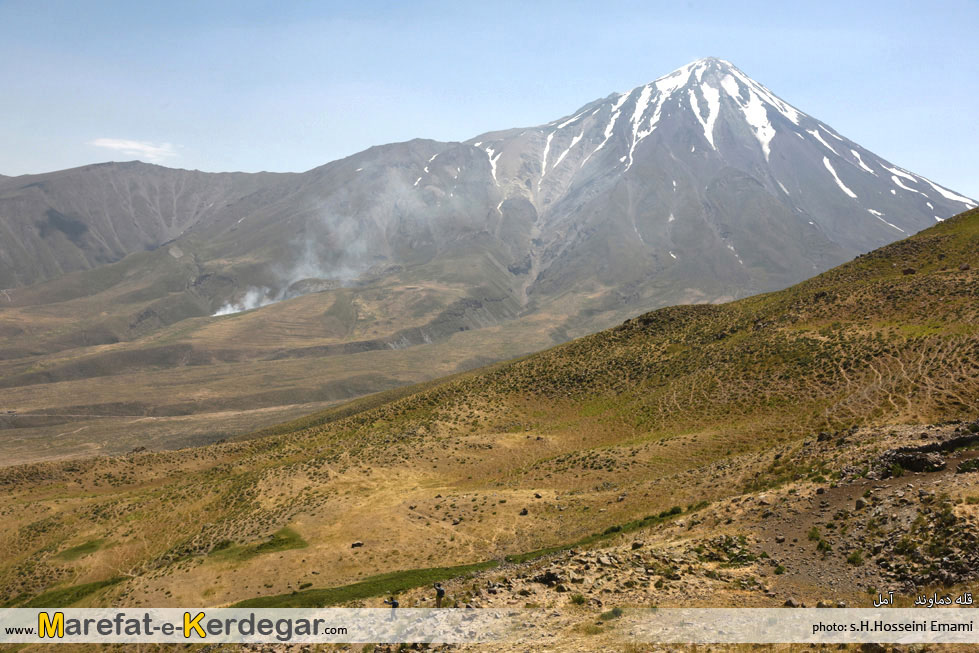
{"x": 803, "y": 625}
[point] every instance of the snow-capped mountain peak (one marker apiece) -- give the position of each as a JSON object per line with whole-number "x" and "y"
{"x": 706, "y": 106}
{"x": 707, "y": 159}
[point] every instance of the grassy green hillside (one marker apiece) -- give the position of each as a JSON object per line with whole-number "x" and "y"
{"x": 672, "y": 408}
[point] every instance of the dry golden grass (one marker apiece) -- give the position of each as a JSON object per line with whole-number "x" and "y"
{"x": 672, "y": 408}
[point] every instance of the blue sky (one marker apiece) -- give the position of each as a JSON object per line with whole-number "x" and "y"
{"x": 285, "y": 86}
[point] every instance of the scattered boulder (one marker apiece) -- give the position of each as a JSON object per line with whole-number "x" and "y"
{"x": 964, "y": 267}
{"x": 872, "y": 648}
{"x": 911, "y": 459}
{"x": 356, "y": 545}
{"x": 792, "y": 603}
{"x": 907, "y": 271}
{"x": 549, "y": 578}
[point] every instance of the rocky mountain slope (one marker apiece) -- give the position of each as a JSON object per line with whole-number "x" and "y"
{"x": 835, "y": 536}
{"x": 566, "y": 448}
{"x": 60, "y": 222}
{"x": 412, "y": 260}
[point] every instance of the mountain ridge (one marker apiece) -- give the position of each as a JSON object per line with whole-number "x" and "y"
{"x": 412, "y": 260}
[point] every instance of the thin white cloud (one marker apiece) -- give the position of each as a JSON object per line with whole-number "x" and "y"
{"x": 153, "y": 152}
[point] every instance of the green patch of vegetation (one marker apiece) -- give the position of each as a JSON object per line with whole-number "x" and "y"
{"x": 905, "y": 546}
{"x": 282, "y": 540}
{"x": 76, "y": 552}
{"x": 814, "y": 534}
{"x": 967, "y": 466}
{"x": 628, "y": 527}
{"x": 855, "y": 558}
{"x": 578, "y": 599}
{"x": 390, "y": 583}
{"x": 66, "y": 596}
{"x": 614, "y": 613}
{"x": 896, "y": 470}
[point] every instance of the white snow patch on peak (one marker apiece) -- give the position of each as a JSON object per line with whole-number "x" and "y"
{"x": 949, "y": 195}
{"x": 543, "y": 161}
{"x": 493, "y": 156}
{"x": 815, "y": 134}
{"x": 673, "y": 255}
{"x": 878, "y": 214}
{"x": 642, "y": 103}
{"x": 477, "y": 144}
{"x": 831, "y": 133}
{"x": 785, "y": 109}
{"x": 713, "y": 98}
{"x": 736, "y": 255}
{"x": 619, "y": 102}
{"x": 930, "y": 205}
{"x": 574, "y": 141}
{"x": 677, "y": 79}
{"x": 432, "y": 158}
{"x": 570, "y": 120}
{"x": 757, "y": 116}
{"x": 730, "y": 85}
{"x": 862, "y": 164}
{"x": 610, "y": 127}
{"x": 898, "y": 183}
{"x": 937, "y": 219}
{"x": 898, "y": 172}
{"x": 832, "y": 171}
{"x": 784, "y": 189}
{"x": 671, "y": 218}
{"x": 416, "y": 181}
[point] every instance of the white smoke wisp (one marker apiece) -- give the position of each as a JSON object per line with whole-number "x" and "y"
{"x": 254, "y": 298}
{"x": 337, "y": 250}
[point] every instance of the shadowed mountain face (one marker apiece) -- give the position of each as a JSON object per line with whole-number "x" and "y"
{"x": 412, "y": 260}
